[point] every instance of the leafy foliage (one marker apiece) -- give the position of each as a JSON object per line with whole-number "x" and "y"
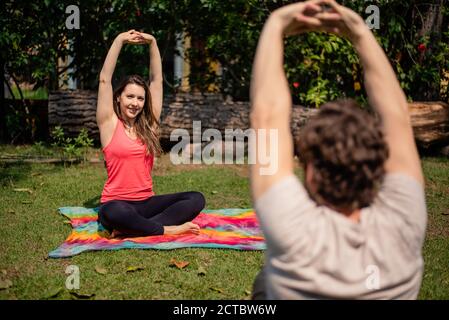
{"x": 76, "y": 147}
{"x": 322, "y": 66}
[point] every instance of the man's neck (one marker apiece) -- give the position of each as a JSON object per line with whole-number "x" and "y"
{"x": 352, "y": 215}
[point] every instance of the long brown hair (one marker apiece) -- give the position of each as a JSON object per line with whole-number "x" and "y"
{"x": 146, "y": 123}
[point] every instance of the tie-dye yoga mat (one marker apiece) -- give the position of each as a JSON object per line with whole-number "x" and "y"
{"x": 223, "y": 228}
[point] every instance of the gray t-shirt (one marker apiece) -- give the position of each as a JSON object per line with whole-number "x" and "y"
{"x": 316, "y": 252}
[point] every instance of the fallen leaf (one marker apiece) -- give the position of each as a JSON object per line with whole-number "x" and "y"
{"x": 247, "y": 292}
{"x": 52, "y": 294}
{"x": 23, "y": 190}
{"x": 179, "y": 264}
{"x": 41, "y": 184}
{"x": 214, "y": 192}
{"x": 216, "y": 289}
{"x": 5, "y": 284}
{"x": 82, "y": 295}
{"x": 134, "y": 269}
{"x": 101, "y": 270}
{"x": 201, "y": 271}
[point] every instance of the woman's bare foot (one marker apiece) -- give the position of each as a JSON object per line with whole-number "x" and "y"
{"x": 117, "y": 234}
{"x": 188, "y": 227}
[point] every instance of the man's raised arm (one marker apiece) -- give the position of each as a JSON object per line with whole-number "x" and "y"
{"x": 270, "y": 94}
{"x": 385, "y": 94}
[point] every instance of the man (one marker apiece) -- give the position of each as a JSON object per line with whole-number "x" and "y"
{"x": 357, "y": 228}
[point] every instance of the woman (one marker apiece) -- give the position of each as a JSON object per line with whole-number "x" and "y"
{"x": 128, "y": 119}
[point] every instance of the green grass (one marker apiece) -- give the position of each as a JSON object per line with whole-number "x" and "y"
{"x": 39, "y": 94}
{"x": 30, "y": 227}
{"x": 42, "y": 150}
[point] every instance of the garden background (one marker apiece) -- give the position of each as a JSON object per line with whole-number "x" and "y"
{"x": 41, "y": 57}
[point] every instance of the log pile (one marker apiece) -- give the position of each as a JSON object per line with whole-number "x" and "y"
{"x": 216, "y": 113}
{"x": 74, "y": 110}
{"x": 430, "y": 121}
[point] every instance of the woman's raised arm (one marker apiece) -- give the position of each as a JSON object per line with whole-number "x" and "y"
{"x": 105, "y": 110}
{"x": 156, "y": 78}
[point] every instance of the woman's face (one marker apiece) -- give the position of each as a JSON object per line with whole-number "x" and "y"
{"x": 131, "y": 101}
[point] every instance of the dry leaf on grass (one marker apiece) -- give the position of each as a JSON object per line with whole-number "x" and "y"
{"x": 217, "y": 290}
{"x": 82, "y": 295}
{"x": 5, "y": 284}
{"x": 134, "y": 269}
{"x": 101, "y": 270}
{"x": 23, "y": 190}
{"x": 201, "y": 271}
{"x": 179, "y": 264}
{"x": 52, "y": 293}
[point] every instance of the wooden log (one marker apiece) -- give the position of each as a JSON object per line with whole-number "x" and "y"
{"x": 216, "y": 113}
{"x": 74, "y": 110}
{"x": 430, "y": 122}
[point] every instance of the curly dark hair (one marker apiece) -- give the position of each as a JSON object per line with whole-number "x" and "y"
{"x": 347, "y": 150}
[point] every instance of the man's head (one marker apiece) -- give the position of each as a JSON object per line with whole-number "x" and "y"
{"x": 343, "y": 152}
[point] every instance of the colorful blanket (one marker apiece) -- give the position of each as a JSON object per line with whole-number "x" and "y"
{"x": 224, "y": 228}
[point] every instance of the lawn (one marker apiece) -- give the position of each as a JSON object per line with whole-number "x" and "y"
{"x": 30, "y": 227}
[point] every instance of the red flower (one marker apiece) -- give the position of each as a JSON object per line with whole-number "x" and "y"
{"x": 296, "y": 84}
{"x": 138, "y": 13}
{"x": 422, "y": 47}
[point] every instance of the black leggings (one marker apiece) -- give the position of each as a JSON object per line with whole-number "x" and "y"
{"x": 147, "y": 217}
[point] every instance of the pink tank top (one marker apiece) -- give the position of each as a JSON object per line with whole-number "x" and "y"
{"x": 128, "y": 167}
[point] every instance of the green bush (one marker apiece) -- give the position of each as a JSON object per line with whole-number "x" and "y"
{"x": 72, "y": 148}
{"x": 319, "y": 67}
{"x": 322, "y": 67}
